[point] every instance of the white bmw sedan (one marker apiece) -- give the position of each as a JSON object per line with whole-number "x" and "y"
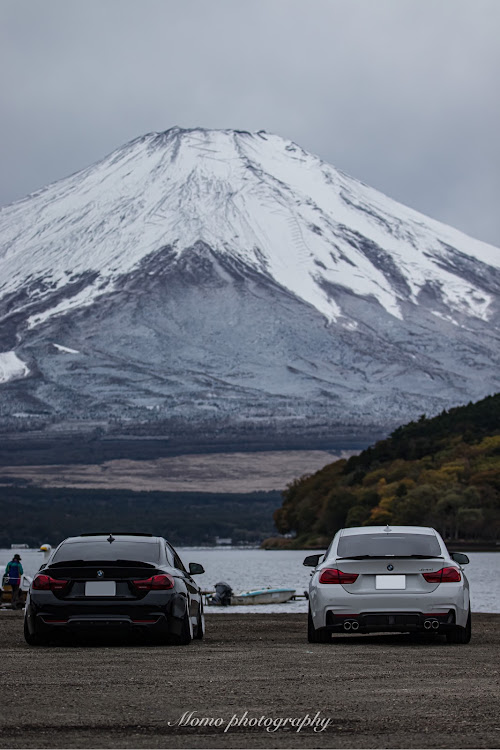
{"x": 399, "y": 578}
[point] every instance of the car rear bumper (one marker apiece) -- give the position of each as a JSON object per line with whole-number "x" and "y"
{"x": 161, "y": 616}
{"x": 79, "y": 624}
{"x": 328, "y": 607}
{"x": 372, "y": 622}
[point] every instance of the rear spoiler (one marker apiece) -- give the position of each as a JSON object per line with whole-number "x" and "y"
{"x": 114, "y": 533}
{"x": 101, "y": 564}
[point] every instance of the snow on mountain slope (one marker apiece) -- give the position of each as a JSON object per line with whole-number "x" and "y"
{"x": 256, "y": 197}
{"x": 11, "y": 367}
{"x": 230, "y": 278}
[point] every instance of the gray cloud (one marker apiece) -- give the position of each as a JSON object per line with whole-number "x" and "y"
{"x": 399, "y": 93}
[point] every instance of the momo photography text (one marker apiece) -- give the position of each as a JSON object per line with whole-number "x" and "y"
{"x": 315, "y": 723}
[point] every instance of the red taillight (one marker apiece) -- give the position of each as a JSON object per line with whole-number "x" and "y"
{"x": 42, "y": 582}
{"x": 332, "y": 575}
{"x": 445, "y": 575}
{"x": 155, "y": 583}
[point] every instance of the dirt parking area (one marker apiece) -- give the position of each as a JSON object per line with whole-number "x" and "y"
{"x": 250, "y": 672}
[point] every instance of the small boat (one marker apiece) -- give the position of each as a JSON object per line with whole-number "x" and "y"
{"x": 224, "y": 596}
{"x": 263, "y": 596}
{"x": 6, "y": 591}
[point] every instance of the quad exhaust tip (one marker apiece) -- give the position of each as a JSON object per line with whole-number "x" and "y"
{"x": 354, "y": 625}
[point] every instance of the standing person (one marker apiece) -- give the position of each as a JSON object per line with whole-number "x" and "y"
{"x": 13, "y": 573}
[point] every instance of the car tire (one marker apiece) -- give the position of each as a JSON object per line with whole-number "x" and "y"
{"x": 316, "y": 635}
{"x": 186, "y": 635}
{"x": 34, "y": 639}
{"x": 200, "y": 624}
{"x": 459, "y": 634}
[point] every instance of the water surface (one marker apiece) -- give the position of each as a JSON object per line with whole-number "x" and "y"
{"x": 246, "y": 569}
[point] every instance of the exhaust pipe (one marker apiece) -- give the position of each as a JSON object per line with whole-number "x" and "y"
{"x": 435, "y": 624}
{"x": 347, "y": 625}
{"x": 355, "y": 625}
{"x": 427, "y": 624}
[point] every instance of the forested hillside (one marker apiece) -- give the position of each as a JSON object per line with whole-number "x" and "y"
{"x": 35, "y": 515}
{"x": 442, "y": 472}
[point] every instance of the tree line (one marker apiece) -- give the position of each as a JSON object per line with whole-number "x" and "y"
{"x": 35, "y": 515}
{"x": 442, "y": 472}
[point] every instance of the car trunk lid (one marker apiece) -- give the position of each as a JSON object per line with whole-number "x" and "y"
{"x": 389, "y": 574}
{"x": 121, "y": 573}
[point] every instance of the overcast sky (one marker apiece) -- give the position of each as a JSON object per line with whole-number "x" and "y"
{"x": 402, "y": 94}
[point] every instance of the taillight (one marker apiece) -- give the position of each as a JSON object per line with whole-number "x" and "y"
{"x": 332, "y": 575}
{"x": 43, "y": 582}
{"x": 155, "y": 583}
{"x": 445, "y": 575}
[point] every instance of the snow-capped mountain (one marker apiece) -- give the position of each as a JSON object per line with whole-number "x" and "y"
{"x": 231, "y": 279}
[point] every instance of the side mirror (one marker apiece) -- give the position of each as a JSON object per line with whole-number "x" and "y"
{"x": 460, "y": 558}
{"x": 312, "y": 560}
{"x": 196, "y": 569}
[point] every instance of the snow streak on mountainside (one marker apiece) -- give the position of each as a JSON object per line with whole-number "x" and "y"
{"x": 11, "y": 367}
{"x": 218, "y": 274}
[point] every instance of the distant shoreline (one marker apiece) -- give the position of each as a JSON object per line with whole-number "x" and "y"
{"x": 23, "y": 449}
{"x": 228, "y": 472}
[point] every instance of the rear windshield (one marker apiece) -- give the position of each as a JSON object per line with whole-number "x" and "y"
{"x": 388, "y": 544}
{"x": 103, "y": 550}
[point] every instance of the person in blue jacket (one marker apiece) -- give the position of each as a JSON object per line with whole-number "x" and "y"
{"x": 12, "y": 577}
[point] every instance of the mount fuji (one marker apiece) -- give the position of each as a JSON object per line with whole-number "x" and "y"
{"x": 225, "y": 282}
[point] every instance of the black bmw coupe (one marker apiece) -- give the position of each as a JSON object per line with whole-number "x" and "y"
{"x": 103, "y": 583}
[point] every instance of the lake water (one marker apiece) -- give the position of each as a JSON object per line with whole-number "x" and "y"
{"x": 246, "y": 569}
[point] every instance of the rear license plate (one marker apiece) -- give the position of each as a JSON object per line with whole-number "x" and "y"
{"x": 100, "y": 588}
{"x": 390, "y": 582}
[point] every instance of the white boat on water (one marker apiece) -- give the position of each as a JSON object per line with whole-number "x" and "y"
{"x": 263, "y": 596}
{"x": 224, "y": 596}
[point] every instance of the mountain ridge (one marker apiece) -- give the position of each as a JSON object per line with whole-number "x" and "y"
{"x": 221, "y": 277}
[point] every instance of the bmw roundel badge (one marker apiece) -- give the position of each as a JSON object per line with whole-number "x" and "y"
{"x": 100, "y": 573}
{"x": 389, "y": 567}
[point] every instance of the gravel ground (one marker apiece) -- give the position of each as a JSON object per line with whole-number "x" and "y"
{"x": 380, "y": 691}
